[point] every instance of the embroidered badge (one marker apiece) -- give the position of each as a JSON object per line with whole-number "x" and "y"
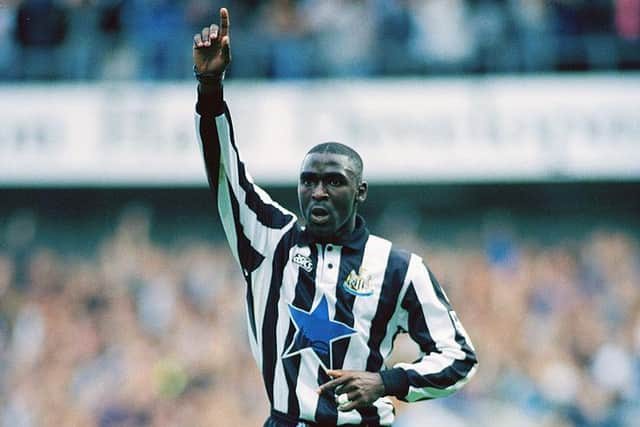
{"x": 358, "y": 284}
{"x": 303, "y": 261}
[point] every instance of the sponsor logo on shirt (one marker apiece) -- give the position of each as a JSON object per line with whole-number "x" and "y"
{"x": 303, "y": 261}
{"x": 358, "y": 284}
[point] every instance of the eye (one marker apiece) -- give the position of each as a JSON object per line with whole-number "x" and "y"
{"x": 306, "y": 182}
{"x": 335, "y": 182}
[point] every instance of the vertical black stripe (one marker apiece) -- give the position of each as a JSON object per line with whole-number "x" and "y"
{"x": 327, "y": 411}
{"x": 460, "y": 339}
{"x": 267, "y": 214}
{"x": 459, "y": 368}
{"x": 250, "y": 259}
{"x": 418, "y": 328}
{"x": 350, "y": 260}
{"x": 291, "y": 367}
{"x": 305, "y": 292}
{"x": 395, "y": 272}
{"x": 420, "y": 333}
{"x": 438, "y": 290}
{"x": 394, "y": 276}
{"x": 250, "y": 306}
{"x": 270, "y": 318}
{"x": 210, "y": 151}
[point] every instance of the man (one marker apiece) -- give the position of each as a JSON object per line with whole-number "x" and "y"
{"x": 326, "y": 300}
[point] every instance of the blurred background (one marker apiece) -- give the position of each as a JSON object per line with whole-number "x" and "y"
{"x": 501, "y": 139}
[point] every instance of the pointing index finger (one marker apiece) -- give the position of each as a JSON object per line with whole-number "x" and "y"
{"x": 224, "y": 22}
{"x": 332, "y": 384}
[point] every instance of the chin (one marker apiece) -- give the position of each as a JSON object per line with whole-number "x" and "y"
{"x": 321, "y": 231}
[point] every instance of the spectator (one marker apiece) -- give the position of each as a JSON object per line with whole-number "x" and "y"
{"x": 627, "y": 13}
{"x": 492, "y": 34}
{"x": 445, "y": 41}
{"x": 156, "y": 29}
{"x": 319, "y": 38}
{"x": 343, "y": 36}
{"x": 533, "y": 26}
{"x": 627, "y": 23}
{"x": 82, "y": 58}
{"x": 395, "y": 31}
{"x": 8, "y": 58}
{"x": 40, "y": 31}
{"x": 141, "y": 333}
{"x": 290, "y": 49}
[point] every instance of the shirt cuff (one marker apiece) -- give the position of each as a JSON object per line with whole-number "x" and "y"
{"x": 396, "y": 382}
{"x": 210, "y": 100}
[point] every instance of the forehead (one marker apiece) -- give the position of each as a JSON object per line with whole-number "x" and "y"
{"x": 327, "y": 163}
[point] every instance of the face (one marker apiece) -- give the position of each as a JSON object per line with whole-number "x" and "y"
{"x": 329, "y": 192}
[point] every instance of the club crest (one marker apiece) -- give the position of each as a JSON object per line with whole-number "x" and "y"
{"x": 358, "y": 284}
{"x": 303, "y": 261}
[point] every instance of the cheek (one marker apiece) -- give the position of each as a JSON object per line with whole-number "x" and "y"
{"x": 303, "y": 197}
{"x": 347, "y": 203}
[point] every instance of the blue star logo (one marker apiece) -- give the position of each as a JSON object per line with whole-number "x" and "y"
{"x": 315, "y": 331}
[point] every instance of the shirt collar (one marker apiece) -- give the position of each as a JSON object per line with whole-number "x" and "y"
{"x": 355, "y": 240}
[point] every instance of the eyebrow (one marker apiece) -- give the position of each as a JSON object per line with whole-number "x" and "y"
{"x": 313, "y": 175}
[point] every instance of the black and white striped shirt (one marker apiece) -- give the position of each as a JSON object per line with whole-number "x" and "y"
{"x": 313, "y": 307}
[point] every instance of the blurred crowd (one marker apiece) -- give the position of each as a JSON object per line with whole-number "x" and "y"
{"x": 133, "y": 332}
{"x": 280, "y": 39}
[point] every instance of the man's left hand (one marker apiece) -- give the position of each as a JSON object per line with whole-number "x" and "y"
{"x": 361, "y": 388}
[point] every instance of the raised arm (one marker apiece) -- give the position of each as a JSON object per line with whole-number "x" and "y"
{"x": 252, "y": 221}
{"x": 211, "y": 48}
{"x": 211, "y": 56}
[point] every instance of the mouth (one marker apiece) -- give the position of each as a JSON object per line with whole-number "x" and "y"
{"x": 319, "y": 215}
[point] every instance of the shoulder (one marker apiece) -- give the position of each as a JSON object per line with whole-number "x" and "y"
{"x": 399, "y": 260}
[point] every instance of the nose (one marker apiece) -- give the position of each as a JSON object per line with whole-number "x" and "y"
{"x": 319, "y": 192}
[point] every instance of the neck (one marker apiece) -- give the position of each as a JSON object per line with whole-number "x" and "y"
{"x": 341, "y": 234}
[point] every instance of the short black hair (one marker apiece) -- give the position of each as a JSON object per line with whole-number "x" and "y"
{"x": 339, "y": 148}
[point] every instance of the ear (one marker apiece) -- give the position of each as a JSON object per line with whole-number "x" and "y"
{"x": 362, "y": 192}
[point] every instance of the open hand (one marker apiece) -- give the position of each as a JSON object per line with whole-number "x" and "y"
{"x": 361, "y": 388}
{"x": 211, "y": 52}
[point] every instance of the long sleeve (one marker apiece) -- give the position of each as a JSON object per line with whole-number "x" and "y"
{"x": 252, "y": 221}
{"x": 448, "y": 360}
